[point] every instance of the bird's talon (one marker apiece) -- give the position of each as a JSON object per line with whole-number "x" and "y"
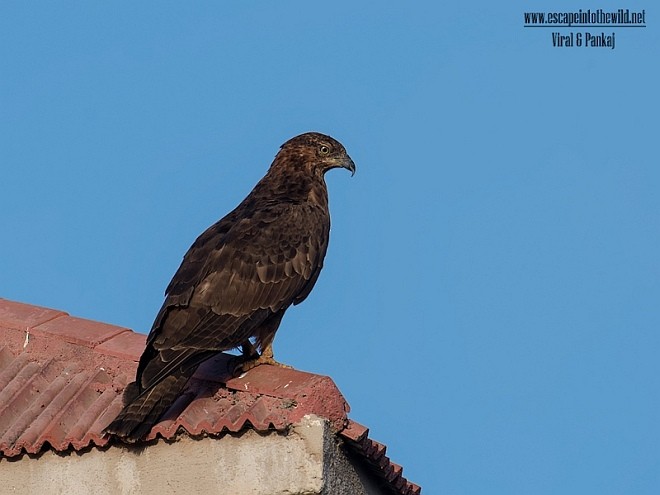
{"x": 253, "y": 363}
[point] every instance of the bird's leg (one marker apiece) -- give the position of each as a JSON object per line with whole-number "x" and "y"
{"x": 248, "y": 353}
{"x": 265, "y": 358}
{"x": 249, "y": 350}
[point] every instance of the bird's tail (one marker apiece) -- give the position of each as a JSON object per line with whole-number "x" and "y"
{"x": 143, "y": 410}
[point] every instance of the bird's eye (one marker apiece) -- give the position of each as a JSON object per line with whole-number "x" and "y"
{"x": 324, "y": 150}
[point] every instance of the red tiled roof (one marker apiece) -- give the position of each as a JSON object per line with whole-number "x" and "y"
{"x": 61, "y": 380}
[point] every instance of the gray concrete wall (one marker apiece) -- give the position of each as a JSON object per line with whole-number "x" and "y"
{"x": 306, "y": 461}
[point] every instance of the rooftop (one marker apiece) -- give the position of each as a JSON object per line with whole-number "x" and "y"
{"x": 62, "y": 377}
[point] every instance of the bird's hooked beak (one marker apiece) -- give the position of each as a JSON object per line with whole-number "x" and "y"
{"x": 348, "y": 164}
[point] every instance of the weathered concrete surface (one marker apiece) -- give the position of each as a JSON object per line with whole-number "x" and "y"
{"x": 306, "y": 461}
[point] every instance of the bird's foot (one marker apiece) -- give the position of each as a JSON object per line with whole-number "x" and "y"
{"x": 253, "y": 363}
{"x": 252, "y": 360}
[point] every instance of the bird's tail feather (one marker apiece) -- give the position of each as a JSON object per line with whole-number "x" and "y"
{"x": 143, "y": 410}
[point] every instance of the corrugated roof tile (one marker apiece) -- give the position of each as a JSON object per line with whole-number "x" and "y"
{"x": 61, "y": 380}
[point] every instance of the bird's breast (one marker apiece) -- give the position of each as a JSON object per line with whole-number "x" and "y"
{"x": 318, "y": 196}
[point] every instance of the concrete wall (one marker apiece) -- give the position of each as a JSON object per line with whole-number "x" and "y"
{"x": 306, "y": 461}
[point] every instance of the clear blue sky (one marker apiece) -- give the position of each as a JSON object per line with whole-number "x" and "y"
{"x": 490, "y": 303}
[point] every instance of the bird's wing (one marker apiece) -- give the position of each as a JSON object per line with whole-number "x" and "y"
{"x": 235, "y": 276}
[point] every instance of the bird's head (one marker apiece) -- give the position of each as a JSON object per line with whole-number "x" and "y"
{"x": 319, "y": 152}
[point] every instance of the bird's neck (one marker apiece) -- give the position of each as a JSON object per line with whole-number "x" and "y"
{"x": 295, "y": 185}
{"x": 318, "y": 193}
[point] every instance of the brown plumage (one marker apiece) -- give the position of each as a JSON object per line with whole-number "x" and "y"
{"x": 237, "y": 280}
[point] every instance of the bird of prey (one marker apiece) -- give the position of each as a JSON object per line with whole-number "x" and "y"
{"x": 237, "y": 280}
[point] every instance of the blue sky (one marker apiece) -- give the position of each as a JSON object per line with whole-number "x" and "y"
{"x": 490, "y": 302}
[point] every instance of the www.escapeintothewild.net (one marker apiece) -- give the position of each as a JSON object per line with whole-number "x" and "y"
{"x": 599, "y": 18}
